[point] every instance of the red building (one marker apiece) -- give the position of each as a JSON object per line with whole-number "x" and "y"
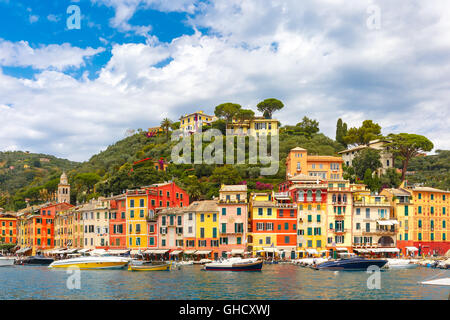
{"x": 117, "y": 223}
{"x": 8, "y": 228}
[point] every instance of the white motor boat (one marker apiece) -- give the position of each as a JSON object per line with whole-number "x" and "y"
{"x": 400, "y": 264}
{"x": 235, "y": 264}
{"x": 7, "y": 261}
{"x": 438, "y": 282}
{"x": 100, "y": 262}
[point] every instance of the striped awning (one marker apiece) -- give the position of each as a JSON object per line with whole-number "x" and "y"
{"x": 237, "y": 251}
{"x": 385, "y": 250}
{"x": 176, "y": 252}
{"x": 156, "y": 251}
{"x": 189, "y": 251}
{"x": 118, "y": 251}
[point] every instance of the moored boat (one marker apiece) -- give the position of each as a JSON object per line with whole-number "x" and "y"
{"x": 438, "y": 282}
{"x": 101, "y": 262}
{"x": 6, "y": 261}
{"x": 37, "y": 260}
{"x": 151, "y": 267}
{"x": 400, "y": 264}
{"x": 235, "y": 264}
{"x": 352, "y": 263}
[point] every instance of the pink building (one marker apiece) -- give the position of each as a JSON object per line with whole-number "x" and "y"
{"x": 233, "y": 218}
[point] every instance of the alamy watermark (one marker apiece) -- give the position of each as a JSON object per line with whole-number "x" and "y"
{"x": 374, "y": 280}
{"x": 74, "y": 20}
{"x": 373, "y": 22}
{"x": 258, "y": 149}
{"x": 74, "y": 280}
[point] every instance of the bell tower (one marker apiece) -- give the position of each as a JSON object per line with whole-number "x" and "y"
{"x": 63, "y": 189}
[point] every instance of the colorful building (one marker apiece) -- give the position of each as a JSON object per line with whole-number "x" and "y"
{"x": 286, "y": 225}
{"x": 310, "y": 195}
{"x": 8, "y": 227}
{"x": 422, "y": 213}
{"x": 207, "y": 235}
{"x": 255, "y": 127}
{"x": 191, "y": 123}
{"x": 170, "y": 222}
{"x": 386, "y": 157}
{"x": 339, "y": 216}
{"x": 233, "y": 219}
{"x": 374, "y": 225}
{"x": 263, "y": 218}
{"x": 117, "y": 223}
{"x": 323, "y": 167}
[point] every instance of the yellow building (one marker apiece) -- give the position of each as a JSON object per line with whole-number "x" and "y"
{"x": 339, "y": 220}
{"x": 424, "y": 220}
{"x": 254, "y": 127}
{"x": 263, "y": 218}
{"x": 323, "y": 167}
{"x": 373, "y": 225}
{"x": 136, "y": 217}
{"x": 191, "y": 123}
{"x": 207, "y": 227}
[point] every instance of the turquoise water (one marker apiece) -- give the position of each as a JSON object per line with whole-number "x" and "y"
{"x": 282, "y": 281}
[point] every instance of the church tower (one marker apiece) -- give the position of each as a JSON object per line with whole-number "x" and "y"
{"x": 63, "y": 189}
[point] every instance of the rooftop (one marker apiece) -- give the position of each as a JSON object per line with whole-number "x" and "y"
{"x": 203, "y": 206}
{"x": 235, "y": 187}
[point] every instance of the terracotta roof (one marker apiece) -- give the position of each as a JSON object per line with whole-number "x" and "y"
{"x": 171, "y": 210}
{"x": 203, "y": 206}
{"x": 429, "y": 189}
{"x": 298, "y": 149}
{"x": 235, "y": 187}
{"x": 398, "y": 192}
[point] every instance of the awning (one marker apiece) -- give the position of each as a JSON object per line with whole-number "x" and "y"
{"x": 118, "y": 251}
{"x": 270, "y": 249}
{"x": 133, "y": 252}
{"x": 203, "y": 252}
{"x": 189, "y": 251}
{"x": 84, "y": 250}
{"x": 175, "y": 252}
{"x": 312, "y": 251}
{"x": 385, "y": 250}
{"x": 23, "y": 250}
{"x": 156, "y": 251}
{"x": 361, "y": 250}
{"x": 341, "y": 249}
{"x": 237, "y": 251}
{"x": 98, "y": 251}
{"x": 71, "y": 251}
{"x": 411, "y": 249}
{"x": 384, "y": 223}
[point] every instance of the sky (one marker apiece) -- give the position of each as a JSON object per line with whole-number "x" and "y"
{"x": 72, "y": 92}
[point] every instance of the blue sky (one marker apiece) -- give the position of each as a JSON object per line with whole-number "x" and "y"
{"x": 72, "y": 93}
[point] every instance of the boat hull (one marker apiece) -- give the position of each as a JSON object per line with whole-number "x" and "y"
{"x": 5, "y": 262}
{"x": 91, "y": 265}
{"x": 350, "y": 264}
{"x": 254, "y": 266}
{"x": 36, "y": 261}
{"x": 163, "y": 267}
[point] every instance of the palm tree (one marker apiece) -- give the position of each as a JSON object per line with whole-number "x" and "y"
{"x": 165, "y": 124}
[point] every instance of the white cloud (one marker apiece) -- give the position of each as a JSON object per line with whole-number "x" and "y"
{"x": 33, "y": 18}
{"x": 318, "y": 57}
{"x": 59, "y": 57}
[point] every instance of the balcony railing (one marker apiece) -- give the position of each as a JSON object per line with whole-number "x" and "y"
{"x": 371, "y": 203}
{"x": 286, "y": 205}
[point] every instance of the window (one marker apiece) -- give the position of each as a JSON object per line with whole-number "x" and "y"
{"x": 318, "y": 218}
{"x": 269, "y": 211}
{"x": 368, "y": 213}
{"x": 420, "y": 209}
{"x": 202, "y": 232}
{"x": 260, "y": 211}
{"x": 190, "y": 217}
{"x": 131, "y": 213}
{"x": 367, "y": 227}
{"x": 202, "y": 218}
{"x": 224, "y": 228}
{"x": 358, "y": 211}
{"x": 358, "y": 226}
{"x": 286, "y": 226}
{"x": 141, "y": 213}
{"x": 267, "y": 240}
{"x": 131, "y": 203}
{"x": 214, "y": 233}
{"x": 239, "y": 211}
{"x": 214, "y": 217}
{"x": 141, "y": 203}
{"x": 224, "y": 211}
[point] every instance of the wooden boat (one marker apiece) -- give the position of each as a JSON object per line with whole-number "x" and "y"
{"x": 151, "y": 267}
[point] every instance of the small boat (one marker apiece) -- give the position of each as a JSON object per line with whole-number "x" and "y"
{"x": 400, "y": 264}
{"x": 37, "y": 260}
{"x": 352, "y": 263}
{"x": 235, "y": 264}
{"x": 151, "y": 267}
{"x": 438, "y": 282}
{"x": 101, "y": 262}
{"x": 7, "y": 261}
{"x": 202, "y": 261}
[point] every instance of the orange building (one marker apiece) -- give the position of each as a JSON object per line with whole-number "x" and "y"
{"x": 8, "y": 228}
{"x": 324, "y": 167}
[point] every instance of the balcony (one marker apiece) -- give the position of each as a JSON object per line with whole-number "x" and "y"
{"x": 286, "y": 205}
{"x": 371, "y": 203}
{"x": 232, "y": 201}
{"x": 384, "y": 232}
{"x": 339, "y": 203}
{"x": 339, "y": 231}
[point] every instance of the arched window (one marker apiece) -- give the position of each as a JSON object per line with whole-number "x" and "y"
{"x": 318, "y": 195}
{"x": 344, "y": 198}
{"x": 309, "y": 195}
{"x": 334, "y": 198}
